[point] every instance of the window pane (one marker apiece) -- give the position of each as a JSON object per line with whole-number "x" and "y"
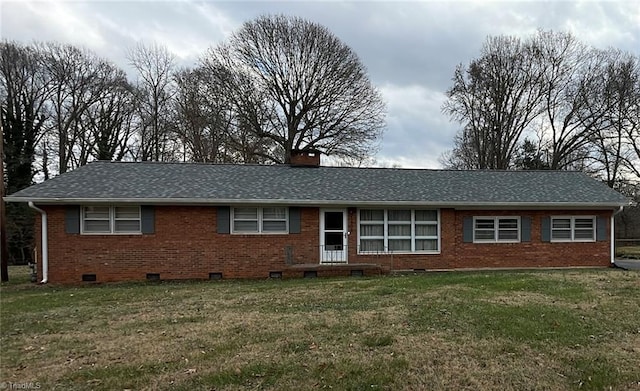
{"x": 245, "y": 226}
{"x": 372, "y": 230}
{"x": 426, "y": 215}
{"x": 333, "y": 241}
{"x": 484, "y": 235}
{"x": 274, "y": 226}
{"x": 561, "y": 223}
{"x": 405, "y": 230}
{"x": 584, "y": 223}
{"x": 426, "y": 230}
{"x": 127, "y": 212}
{"x": 96, "y": 212}
{"x": 333, "y": 221}
{"x": 485, "y": 223}
{"x": 127, "y": 226}
{"x": 561, "y": 234}
{"x": 426, "y": 244}
{"x": 274, "y": 213}
{"x": 507, "y": 223}
{"x": 245, "y": 213}
{"x": 376, "y": 245}
{"x": 399, "y": 244}
{"x": 508, "y": 235}
{"x": 583, "y": 234}
{"x": 371, "y": 215}
{"x": 399, "y": 230}
{"x": 96, "y": 226}
{"x": 399, "y": 215}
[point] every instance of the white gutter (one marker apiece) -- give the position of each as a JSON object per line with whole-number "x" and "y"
{"x": 298, "y": 202}
{"x": 613, "y": 237}
{"x": 45, "y": 247}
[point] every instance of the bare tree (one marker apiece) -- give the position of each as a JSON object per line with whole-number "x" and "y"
{"x": 79, "y": 79}
{"x": 581, "y": 104}
{"x": 625, "y": 88}
{"x": 24, "y": 89}
{"x": 616, "y": 131}
{"x": 108, "y": 121}
{"x": 495, "y": 97}
{"x": 155, "y": 66}
{"x": 203, "y": 117}
{"x": 296, "y": 86}
{"x": 571, "y": 81}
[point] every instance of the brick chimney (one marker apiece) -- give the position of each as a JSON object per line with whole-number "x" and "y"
{"x": 305, "y": 158}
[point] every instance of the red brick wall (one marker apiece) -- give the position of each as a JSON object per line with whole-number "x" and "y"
{"x": 456, "y": 254}
{"x": 186, "y": 245}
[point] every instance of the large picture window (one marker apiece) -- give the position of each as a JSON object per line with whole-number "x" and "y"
{"x": 496, "y": 229}
{"x": 111, "y": 220}
{"x": 573, "y": 229}
{"x": 398, "y": 230}
{"x": 260, "y": 220}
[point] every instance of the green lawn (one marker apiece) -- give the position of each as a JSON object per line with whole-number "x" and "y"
{"x": 542, "y": 330}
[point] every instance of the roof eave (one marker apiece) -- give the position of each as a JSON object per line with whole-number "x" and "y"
{"x": 294, "y": 202}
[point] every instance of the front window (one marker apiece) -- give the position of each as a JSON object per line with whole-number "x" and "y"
{"x": 111, "y": 220}
{"x": 496, "y": 229}
{"x": 260, "y": 220}
{"x": 573, "y": 229}
{"x": 398, "y": 230}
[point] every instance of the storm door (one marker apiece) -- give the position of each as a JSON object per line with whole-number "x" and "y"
{"x": 333, "y": 236}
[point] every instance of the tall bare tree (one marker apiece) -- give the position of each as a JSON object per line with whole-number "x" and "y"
{"x": 24, "y": 92}
{"x": 155, "y": 65}
{"x": 108, "y": 121}
{"x": 24, "y": 89}
{"x": 617, "y": 129}
{"x": 578, "y": 101}
{"x": 203, "y": 117}
{"x": 79, "y": 79}
{"x": 297, "y": 86}
{"x": 571, "y": 79}
{"x": 495, "y": 98}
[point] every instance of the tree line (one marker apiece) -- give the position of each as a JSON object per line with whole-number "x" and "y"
{"x": 278, "y": 84}
{"x": 548, "y": 101}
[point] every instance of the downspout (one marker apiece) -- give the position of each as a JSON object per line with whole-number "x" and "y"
{"x": 45, "y": 247}
{"x": 613, "y": 234}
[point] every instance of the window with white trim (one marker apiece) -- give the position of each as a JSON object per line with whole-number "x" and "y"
{"x": 260, "y": 220}
{"x": 111, "y": 219}
{"x": 496, "y": 229}
{"x": 398, "y": 230}
{"x": 573, "y": 229}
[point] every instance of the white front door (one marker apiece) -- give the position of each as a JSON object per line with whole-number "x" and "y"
{"x": 333, "y": 236}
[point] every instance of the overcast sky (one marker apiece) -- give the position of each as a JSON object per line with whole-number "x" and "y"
{"x": 410, "y": 48}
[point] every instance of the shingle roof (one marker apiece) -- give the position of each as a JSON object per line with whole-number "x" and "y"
{"x": 225, "y": 183}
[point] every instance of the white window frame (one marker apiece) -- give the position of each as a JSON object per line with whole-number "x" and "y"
{"x": 112, "y": 220}
{"x": 413, "y": 237}
{"x": 496, "y": 229}
{"x": 572, "y": 228}
{"x": 260, "y": 221}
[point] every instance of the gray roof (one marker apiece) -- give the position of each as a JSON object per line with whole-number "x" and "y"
{"x": 171, "y": 183}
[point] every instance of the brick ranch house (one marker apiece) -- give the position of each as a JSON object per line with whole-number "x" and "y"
{"x": 116, "y": 221}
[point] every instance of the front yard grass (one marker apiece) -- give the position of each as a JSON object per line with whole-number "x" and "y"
{"x": 533, "y": 330}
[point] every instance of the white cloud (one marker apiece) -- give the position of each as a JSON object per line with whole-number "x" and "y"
{"x": 417, "y": 130}
{"x": 44, "y": 21}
